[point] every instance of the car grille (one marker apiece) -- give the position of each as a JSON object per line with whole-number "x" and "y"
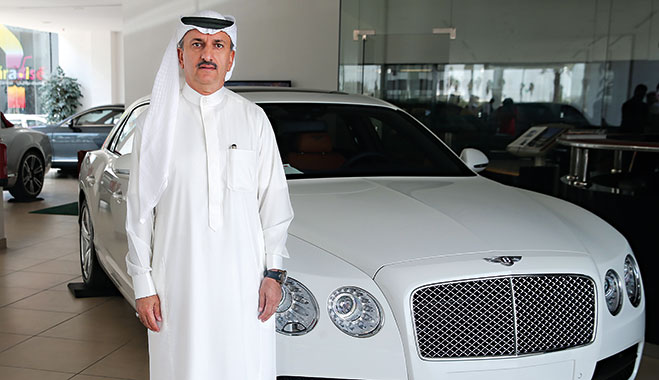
{"x": 504, "y": 316}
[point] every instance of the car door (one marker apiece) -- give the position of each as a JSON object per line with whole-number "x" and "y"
{"x": 112, "y": 193}
{"x": 86, "y": 131}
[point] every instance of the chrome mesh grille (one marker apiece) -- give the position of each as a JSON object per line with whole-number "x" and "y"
{"x": 504, "y": 316}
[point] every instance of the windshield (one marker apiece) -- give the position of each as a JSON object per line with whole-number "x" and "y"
{"x": 328, "y": 140}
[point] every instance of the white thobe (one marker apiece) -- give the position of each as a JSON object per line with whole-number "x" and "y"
{"x": 222, "y": 219}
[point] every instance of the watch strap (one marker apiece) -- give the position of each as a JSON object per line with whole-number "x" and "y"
{"x": 277, "y": 275}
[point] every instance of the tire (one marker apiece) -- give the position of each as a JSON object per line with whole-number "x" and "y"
{"x": 30, "y": 177}
{"x": 93, "y": 274}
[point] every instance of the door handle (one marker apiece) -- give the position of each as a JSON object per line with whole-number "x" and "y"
{"x": 118, "y": 196}
{"x": 91, "y": 180}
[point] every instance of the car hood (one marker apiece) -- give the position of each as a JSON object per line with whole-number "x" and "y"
{"x": 373, "y": 222}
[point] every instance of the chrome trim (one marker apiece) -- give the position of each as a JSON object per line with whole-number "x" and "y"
{"x": 595, "y": 325}
{"x": 512, "y": 294}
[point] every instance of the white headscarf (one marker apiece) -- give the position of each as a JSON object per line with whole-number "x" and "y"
{"x": 158, "y": 128}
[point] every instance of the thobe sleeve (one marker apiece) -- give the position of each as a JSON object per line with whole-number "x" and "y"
{"x": 274, "y": 203}
{"x": 138, "y": 259}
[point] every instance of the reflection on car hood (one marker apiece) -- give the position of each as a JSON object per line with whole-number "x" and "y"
{"x": 372, "y": 222}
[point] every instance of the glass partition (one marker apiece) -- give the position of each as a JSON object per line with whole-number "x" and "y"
{"x": 451, "y": 64}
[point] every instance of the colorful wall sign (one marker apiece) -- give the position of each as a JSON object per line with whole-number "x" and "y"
{"x": 16, "y": 68}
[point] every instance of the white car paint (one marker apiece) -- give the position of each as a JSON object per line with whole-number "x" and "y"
{"x": 390, "y": 235}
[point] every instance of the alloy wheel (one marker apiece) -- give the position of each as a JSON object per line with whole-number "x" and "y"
{"x": 32, "y": 175}
{"x": 86, "y": 242}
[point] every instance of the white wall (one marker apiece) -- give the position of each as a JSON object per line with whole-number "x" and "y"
{"x": 91, "y": 58}
{"x": 295, "y": 40}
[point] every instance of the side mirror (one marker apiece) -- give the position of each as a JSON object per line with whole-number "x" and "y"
{"x": 474, "y": 159}
{"x": 73, "y": 127}
{"x": 122, "y": 165}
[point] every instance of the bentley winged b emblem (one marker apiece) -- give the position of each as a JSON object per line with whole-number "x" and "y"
{"x": 504, "y": 260}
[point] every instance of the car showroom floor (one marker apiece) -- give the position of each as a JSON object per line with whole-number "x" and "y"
{"x": 46, "y": 333}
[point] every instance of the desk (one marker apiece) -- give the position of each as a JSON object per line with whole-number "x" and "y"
{"x": 578, "y": 173}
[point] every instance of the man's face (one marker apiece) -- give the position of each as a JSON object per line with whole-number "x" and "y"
{"x": 205, "y": 60}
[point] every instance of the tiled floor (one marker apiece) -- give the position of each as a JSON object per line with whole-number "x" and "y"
{"x": 46, "y": 334}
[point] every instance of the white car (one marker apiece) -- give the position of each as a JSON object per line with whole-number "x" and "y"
{"x": 405, "y": 263}
{"x": 26, "y": 120}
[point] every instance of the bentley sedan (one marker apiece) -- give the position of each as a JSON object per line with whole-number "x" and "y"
{"x": 84, "y": 131}
{"x": 404, "y": 262}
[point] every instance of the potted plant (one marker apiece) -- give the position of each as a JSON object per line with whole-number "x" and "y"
{"x": 60, "y": 96}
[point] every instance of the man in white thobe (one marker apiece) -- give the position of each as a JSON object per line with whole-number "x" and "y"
{"x": 207, "y": 216}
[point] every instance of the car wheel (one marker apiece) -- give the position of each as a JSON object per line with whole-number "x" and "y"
{"x": 30, "y": 177}
{"x": 92, "y": 274}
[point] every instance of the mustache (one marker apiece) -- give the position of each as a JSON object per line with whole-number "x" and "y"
{"x": 203, "y": 62}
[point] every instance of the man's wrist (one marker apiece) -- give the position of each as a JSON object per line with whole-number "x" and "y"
{"x": 278, "y": 275}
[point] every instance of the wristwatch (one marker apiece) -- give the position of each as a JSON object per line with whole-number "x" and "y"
{"x": 276, "y": 274}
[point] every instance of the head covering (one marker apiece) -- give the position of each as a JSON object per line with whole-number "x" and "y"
{"x": 158, "y": 127}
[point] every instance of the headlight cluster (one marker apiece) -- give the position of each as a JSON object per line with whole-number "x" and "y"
{"x": 297, "y": 313}
{"x": 613, "y": 291}
{"x": 353, "y": 310}
{"x": 632, "y": 280}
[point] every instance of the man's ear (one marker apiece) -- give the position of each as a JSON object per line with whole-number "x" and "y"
{"x": 180, "y": 57}
{"x": 231, "y": 57}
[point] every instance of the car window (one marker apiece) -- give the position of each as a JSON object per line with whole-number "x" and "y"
{"x": 16, "y": 122}
{"x": 124, "y": 142}
{"x": 99, "y": 117}
{"x": 334, "y": 140}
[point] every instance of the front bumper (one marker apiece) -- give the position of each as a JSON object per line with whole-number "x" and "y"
{"x": 614, "y": 334}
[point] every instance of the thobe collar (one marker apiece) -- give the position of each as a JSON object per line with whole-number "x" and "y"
{"x": 198, "y": 99}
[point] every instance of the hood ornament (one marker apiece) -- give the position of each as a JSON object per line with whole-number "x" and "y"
{"x": 504, "y": 260}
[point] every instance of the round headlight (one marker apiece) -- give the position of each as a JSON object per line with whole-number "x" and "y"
{"x": 355, "y": 311}
{"x": 297, "y": 313}
{"x": 632, "y": 280}
{"x": 613, "y": 291}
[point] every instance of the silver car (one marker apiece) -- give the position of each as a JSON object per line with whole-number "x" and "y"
{"x": 29, "y": 156}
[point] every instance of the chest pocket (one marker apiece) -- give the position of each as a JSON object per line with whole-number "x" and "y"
{"x": 241, "y": 170}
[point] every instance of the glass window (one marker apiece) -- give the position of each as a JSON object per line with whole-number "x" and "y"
{"x": 99, "y": 117}
{"x": 325, "y": 140}
{"x": 124, "y": 141}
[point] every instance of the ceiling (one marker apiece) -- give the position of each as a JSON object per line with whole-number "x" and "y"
{"x": 62, "y": 15}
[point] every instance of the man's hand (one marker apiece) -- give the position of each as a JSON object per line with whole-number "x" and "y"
{"x": 269, "y": 297}
{"x": 148, "y": 309}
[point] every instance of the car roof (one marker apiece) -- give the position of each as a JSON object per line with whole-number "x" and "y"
{"x": 300, "y": 95}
